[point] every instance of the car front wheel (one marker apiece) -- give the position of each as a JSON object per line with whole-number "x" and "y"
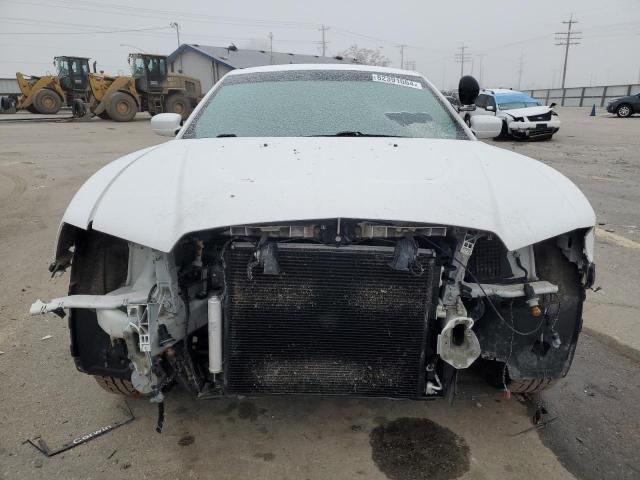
{"x": 624, "y": 110}
{"x": 504, "y": 133}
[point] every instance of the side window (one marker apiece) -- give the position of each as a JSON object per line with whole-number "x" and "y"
{"x": 491, "y": 102}
{"x": 481, "y": 101}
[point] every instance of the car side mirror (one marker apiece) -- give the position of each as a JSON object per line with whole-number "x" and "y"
{"x": 490, "y": 108}
{"x": 468, "y": 90}
{"x": 552, "y": 105}
{"x": 166, "y": 124}
{"x": 483, "y": 126}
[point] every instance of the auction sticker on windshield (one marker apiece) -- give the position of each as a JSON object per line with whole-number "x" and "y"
{"x": 403, "y": 82}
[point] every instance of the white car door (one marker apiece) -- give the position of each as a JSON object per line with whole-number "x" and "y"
{"x": 485, "y": 105}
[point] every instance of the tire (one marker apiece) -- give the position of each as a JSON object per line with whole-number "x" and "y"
{"x": 117, "y": 386}
{"x": 122, "y": 107}
{"x": 79, "y": 109}
{"x": 530, "y": 385}
{"x": 494, "y": 373}
{"x": 47, "y": 102}
{"x": 624, "y": 110}
{"x": 178, "y": 103}
{"x": 504, "y": 133}
{"x": 32, "y": 109}
{"x": 5, "y": 103}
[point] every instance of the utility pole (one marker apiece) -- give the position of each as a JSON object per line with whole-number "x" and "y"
{"x": 402, "y": 47}
{"x": 566, "y": 39}
{"x": 177, "y": 27}
{"x": 323, "y": 29}
{"x": 270, "y": 48}
{"x": 480, "y": 70}
{"x": 520, "y": 68}
{"x": 461, "y": 58}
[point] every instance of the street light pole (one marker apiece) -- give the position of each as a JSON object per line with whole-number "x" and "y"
{"x": 177, "y": 27}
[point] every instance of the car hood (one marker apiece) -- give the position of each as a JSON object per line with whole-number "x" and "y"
{"x": 527, "y": 112}
{"x": 155, "y": 196}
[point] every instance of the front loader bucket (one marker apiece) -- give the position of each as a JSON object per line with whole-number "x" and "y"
{"x": 103, "y": 88}
{"x": 31, "y": 87}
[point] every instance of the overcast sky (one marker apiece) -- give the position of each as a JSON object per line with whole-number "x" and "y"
{"x": 500, "y": 37}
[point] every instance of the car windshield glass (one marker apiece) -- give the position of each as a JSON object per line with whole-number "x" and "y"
{"x": 514, "y": 99}
{"x": 324, "y": 103}
{"x": 513, "y": 105}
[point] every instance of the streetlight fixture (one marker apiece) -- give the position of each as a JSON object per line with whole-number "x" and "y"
{"x": 177, "y": 27}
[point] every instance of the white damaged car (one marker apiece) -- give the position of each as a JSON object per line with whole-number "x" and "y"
{"x": 522, "y": 117}
{"x": 328, "y": 230}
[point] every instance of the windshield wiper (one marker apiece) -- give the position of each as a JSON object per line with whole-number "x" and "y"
{"x": 355, "y": 133}
{"x": 226, "y": 135}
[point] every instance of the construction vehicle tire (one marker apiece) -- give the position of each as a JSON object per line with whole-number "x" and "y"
{"x": 178, "y": 103}
{"x": 121, "y": 107}
{"x": 47, "y": 102}
{"x": 78, "y": 108}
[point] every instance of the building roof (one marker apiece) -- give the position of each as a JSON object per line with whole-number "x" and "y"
{"x": 242, "y": 58}
{"x": 344, "y": 66}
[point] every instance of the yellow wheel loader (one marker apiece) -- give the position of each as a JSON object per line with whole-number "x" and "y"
{"x": 149, "y": 89}
{"x": 47, "y": 94}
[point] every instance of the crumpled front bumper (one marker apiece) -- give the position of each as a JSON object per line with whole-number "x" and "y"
{"x": 533, "y": 128}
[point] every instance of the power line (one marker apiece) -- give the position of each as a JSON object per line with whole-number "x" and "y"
{"x": 128, "y": 10}
{"x": 84, "y": 33}
{"x": 461, "y": 58}
{"x": 566, "y": 39}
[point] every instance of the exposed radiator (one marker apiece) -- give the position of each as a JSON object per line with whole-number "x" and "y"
{"x": 333, "y": 321}
{"x": 488, "y": 261}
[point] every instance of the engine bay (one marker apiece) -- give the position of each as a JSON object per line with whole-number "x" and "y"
{"x": 330, "y": 307}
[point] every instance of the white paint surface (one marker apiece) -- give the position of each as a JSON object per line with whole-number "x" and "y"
{"x": 155, "y": 196}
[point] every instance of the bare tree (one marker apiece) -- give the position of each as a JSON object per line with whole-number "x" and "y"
{"x": 366, "y": 56}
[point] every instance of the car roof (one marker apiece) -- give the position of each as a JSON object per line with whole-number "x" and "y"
{"x": 498, "y": 91}
{"x": 506, "y": 95}
{"x": 324, "y": 66}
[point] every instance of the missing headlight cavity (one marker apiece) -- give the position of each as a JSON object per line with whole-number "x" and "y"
{"x": 418, "y": 449}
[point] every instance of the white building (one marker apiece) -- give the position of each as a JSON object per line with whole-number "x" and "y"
{"x": 210, "y": 64}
